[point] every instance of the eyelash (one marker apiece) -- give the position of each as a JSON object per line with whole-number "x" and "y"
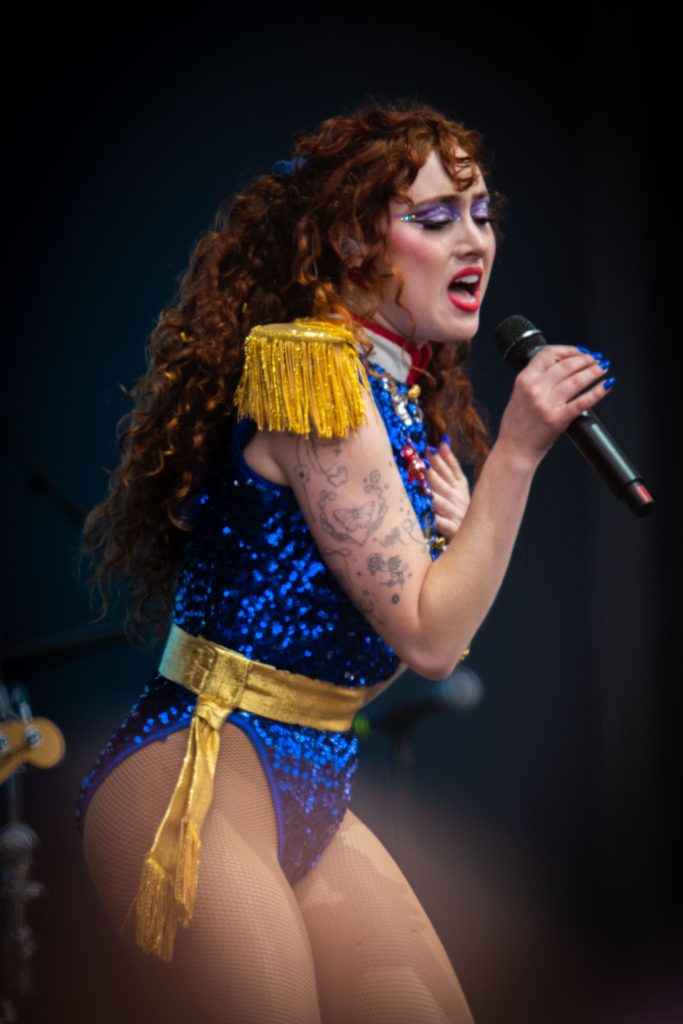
{"x": 437, "y": 225}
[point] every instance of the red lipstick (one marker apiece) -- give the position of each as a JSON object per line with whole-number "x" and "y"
{"x": 464, "y": 288}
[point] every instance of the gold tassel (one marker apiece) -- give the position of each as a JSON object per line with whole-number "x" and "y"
{"x": 303, "y": 377}
{"x": 168, "y": 886}
{"x": 157, "y": 918}
{"x": 189, "y": 848}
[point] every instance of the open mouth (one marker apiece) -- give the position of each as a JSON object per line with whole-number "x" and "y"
{"x": 463, "y": 290}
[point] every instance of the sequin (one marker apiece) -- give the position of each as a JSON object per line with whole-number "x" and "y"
{"x": 252, "y": 579}
{"x": 401, "y": 411}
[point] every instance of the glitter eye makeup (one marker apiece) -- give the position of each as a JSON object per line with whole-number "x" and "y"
{"x": 481, "y": 209}
{"x": 438, "y": 214}
{"x": 433, "y": 213}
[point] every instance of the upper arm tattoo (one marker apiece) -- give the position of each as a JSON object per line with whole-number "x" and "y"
{"x": 362, "y": 528}
{"x": 355, "y": 523}
{"x": 352, "y": 524}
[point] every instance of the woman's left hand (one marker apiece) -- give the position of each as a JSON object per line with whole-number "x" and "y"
{"x": 451, "y": 490}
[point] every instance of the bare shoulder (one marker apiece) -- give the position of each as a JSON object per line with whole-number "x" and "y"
{"x": 259, "y": 454}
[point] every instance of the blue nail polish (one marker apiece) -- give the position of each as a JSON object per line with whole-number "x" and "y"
{"x": 445, "y": 439}
{"x": 432, "y": 450}
{"x": 426, "y": 461}
{"x": 586, "y": 351}
{"x": 597, "y": 355}
{"x": 608, "y": 383}
{"x": 604, "y": 363}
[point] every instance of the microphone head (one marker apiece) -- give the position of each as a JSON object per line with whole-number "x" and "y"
{"x": 518, "y": 340}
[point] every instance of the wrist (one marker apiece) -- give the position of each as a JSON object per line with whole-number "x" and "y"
{"x": 516, "y": 460}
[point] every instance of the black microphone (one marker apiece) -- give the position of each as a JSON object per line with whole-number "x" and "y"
{"x": 519, "y": 341}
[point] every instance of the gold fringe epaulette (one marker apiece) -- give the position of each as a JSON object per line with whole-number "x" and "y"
{"x": 305, "y": 378}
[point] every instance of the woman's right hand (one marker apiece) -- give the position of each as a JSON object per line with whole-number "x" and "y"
{"x": 548, "y": 395}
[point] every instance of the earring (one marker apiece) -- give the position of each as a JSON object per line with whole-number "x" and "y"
{"x": 349, "y": 246}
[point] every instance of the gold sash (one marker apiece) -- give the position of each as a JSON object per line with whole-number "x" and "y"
{"x": 223, "y": 680}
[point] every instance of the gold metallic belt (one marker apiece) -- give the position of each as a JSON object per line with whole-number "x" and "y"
{"x": 223, "y": 680}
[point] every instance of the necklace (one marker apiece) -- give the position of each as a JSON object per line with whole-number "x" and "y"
{"x": 408, "y": 441}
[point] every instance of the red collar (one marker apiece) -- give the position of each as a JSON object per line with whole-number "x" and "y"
{"x": 419, "y": 357}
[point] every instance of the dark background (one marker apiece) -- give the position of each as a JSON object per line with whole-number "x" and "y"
{"x": 547, "y": 853}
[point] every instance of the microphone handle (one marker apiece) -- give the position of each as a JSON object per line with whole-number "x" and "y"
{"x": 589, "y": 435}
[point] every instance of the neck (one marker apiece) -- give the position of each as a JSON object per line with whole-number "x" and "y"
{"x": 406, "y": 361}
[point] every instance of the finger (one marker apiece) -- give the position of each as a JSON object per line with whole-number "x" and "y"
{"x": 570, "y": 386}
{"x": 564, "y": 379}
{"x": 553, "y": 370}
{"x": 451, "y": 506}
{"x": 448, "y": 456}
{"x": 457, "y": 494}
{"x": 446, "y": 464}
{"x": 561, "y": 360}
{"x": 448, "y": 526}
{"x": 589, "y": 398}
{"x": 549, "y": 354}
{"x": 442, "y": 471}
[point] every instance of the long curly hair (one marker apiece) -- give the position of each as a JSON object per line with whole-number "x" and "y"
{"x": 268, "y": 259}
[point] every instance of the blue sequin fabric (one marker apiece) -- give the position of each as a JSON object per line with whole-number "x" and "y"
{"x": 252, "y": 580}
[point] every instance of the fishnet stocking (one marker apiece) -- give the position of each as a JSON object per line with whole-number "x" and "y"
{"x": 246, "y": 957}
{"x": 378, "y": 959}
{"x": 350, "y": 939}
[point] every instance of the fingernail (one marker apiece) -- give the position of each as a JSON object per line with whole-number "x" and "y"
{"x": 608, "y": 383}
{"x": 426, "y": 461}
{"x": 586, "y": 351}
{"x": 597, "y": 355}
{"x": 445, "y": 439}
{"x": 432, "y": 450}
{"x": 604, "y": 363}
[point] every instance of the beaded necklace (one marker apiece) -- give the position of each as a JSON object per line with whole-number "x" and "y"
{"x": 396, "y": 392}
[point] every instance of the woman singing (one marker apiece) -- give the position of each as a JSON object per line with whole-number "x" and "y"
{"x": 289, "y": 494}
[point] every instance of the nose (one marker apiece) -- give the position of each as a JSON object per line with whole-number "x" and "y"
{"x": 472, "y": 240}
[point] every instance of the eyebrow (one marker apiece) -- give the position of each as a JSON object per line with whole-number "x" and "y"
{"x": 449, "y": 197}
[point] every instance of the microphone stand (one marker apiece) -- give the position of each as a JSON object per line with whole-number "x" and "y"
{"x": 22, "y": 738}
{"x": 462, "y": 691}
{"x": 27, "y": 740}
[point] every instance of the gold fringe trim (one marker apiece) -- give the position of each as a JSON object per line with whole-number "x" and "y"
{"x": 168, "y": 885}
{"x": 189, "y": 848}
{"x": 304, "y": 377}
{"x": 157, "y": 910}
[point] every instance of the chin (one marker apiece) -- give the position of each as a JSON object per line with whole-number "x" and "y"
{"x": 458, "y": 335}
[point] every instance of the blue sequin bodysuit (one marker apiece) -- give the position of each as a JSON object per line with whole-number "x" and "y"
{"x": 252, "y": 579}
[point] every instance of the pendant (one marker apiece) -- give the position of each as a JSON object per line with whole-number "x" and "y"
{"x": 416, "y": 468}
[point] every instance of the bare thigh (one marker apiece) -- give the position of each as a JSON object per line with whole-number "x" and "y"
{"x": 246, "y": 955}
{"x": 378, "y": 958}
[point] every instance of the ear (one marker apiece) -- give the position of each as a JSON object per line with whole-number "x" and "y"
{"x": 349, "y": 250}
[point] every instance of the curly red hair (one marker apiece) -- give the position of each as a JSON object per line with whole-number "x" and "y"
{"x": 269, "y": 259}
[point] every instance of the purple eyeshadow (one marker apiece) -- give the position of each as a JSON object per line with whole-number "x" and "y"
{"x": 481, "y": 208}
{"x": 434, "y": 214}
{"x": 442, "y": 213}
